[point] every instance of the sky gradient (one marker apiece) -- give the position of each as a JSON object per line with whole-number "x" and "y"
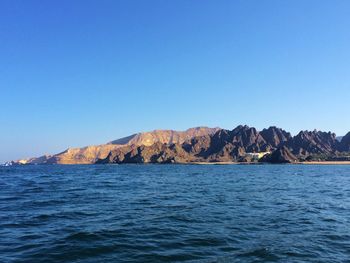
{"x": 75, "y": 73}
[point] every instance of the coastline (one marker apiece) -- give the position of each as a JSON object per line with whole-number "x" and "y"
{"x": 211, "y": 163}
{"x": 262, "y": 163}
{"x": 327, "y": 162}
{"x": 199, "y": 163}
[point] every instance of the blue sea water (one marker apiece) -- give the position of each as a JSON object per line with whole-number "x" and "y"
{"x": 175, "y": 213}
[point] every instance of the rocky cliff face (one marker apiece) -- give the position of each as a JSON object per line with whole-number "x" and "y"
{"x": 155, "y": 153}
{"x": 226, "y": 145}
{"x": 91, "y": 154}
{"x": 242, "y": 144}
{"x": 280, "y": 155}
{"x": 165, "y": 136}
{"x": 313, "y": 142}
{"x": 275, "y": 137}
{"x": 85, "y": 155}
{"x": 344, "y": 144}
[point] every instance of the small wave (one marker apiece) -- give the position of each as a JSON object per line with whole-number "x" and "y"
{"x": 261, "y": 253}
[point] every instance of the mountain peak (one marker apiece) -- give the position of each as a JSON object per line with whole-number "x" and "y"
{"x": 204, "y": 144}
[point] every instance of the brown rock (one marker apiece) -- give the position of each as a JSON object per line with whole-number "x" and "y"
{"x": 281, "y": 155}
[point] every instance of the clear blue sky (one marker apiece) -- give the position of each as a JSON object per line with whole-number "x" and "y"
{"x": 74, "y": 73}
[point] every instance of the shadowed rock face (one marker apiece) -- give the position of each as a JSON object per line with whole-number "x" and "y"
{"x": 92, "y": 154}
{"x": 222, "y": 146}
{"x": 202, "y": 144}
{"x": 274, "y": 136}
{"x": 226, "y": 145}
{"x": 231, "y": 146}
{"x": 116, "y": 156}
{"x": 165, "y": 136}
{"x": 281, "y": 155}
{"x": 155, "y": 153}
{"x": 345, "y": 143}
{"x": 313, "y": 142}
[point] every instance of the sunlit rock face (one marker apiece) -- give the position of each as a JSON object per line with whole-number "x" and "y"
{"x": 165, "y": 136}
{"x": 85, "y": 155}
{"x": 91, "y": 154}
{"x": 202, "y": 144}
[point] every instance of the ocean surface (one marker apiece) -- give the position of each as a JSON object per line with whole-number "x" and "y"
{"x": 175, "y": 213}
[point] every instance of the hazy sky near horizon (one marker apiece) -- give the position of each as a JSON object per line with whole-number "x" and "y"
{"x": 74, "y": 73}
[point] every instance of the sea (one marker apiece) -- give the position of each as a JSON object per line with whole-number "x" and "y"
{"x": 175, "y": 213}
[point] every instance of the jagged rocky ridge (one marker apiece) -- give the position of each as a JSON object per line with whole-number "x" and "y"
{"x": 242, "y": 144}
{"x": 90, "y": 154}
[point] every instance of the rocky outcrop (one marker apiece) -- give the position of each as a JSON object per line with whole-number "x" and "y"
{"x": 275, "y": 137}
{"x": 201, "y": 144}
{"x": 280, "y": 155}
{"x": 237, "y": 145}
{"x": 222, "y": 146}
{"x": 155, "y": 153}
{"x": 313, "y": 142}
{"x": 227, "y": 145}
{"x": 96, "y": 153}
{"x": 85, "y": 155}
{"x": 344, "y": 144}
{"x": 249, "y": 139}
{"x": 165, "y": 136}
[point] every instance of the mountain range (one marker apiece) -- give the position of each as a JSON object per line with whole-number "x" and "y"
{"x": 202, "y": 144}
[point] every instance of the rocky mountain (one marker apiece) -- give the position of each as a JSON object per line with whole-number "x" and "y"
{"x": 313, "y": 142}
{"x": 202, "y": 144}
{"x": 155, "y": 153}
{"x": 275, "y": 136}
{"x": 90, "y": 154}
{"x": 280, "y": 155}
{"x": 165, "y": 136}
{"x": 226, "y": 145}
{"x": 339, "y": 138}
{"x": 242, "y": 144}
{"x": 344, "y": 144}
